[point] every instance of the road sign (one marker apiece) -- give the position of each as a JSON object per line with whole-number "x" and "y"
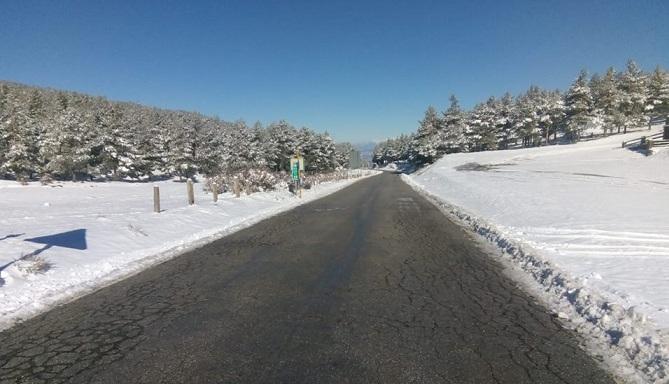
{"x": 296, "y": 166}
{"x": 295, "y": 170}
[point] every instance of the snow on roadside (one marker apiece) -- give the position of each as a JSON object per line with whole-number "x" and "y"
{"x": 590, "y": 223}
{"x": 93, "y": 234}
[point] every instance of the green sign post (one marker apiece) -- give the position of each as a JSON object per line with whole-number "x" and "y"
{"x": 295, "y": 171}
{"x": 296, "y": 168}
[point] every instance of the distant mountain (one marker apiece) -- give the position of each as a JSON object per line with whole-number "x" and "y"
{"x": 366, "y": 150}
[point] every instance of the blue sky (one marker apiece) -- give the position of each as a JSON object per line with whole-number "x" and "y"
{"x": 362, "y": 70}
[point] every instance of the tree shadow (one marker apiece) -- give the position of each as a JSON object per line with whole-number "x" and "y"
{"x": 11, "y": 235}
{"x": 75, "y": 239}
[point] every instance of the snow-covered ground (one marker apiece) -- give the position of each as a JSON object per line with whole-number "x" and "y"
{"x": 399, "y": 166}
{"x": 95, "y": 233}
{"x": 589, "y": 222}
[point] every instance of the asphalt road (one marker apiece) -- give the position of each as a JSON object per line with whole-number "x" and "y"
{"x": 369, "y": 285}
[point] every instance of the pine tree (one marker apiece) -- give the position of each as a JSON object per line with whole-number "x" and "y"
{"x": 322, "y": 154}
{"x": 424, "y": 146}
{"x": 549, "y": 113}
{"x": 21, "y": 140}
{"x": 343, "y": 154}
{"x": 153, "y": 144}
{"x": 254, "y": 151}
{"x": 4, "y": 123}
{"x": 483, "y": 133}
{"x": 578, "y": 104}
{"x": 182, "y": 153}
{"x": 218, "y": 148}
{"x": 525, "y": 119}
{"x": 451, "y": 138}
{"x": 658, "y": 93}
{"x": 67, "y": 146}
{"x": 633, "y": 101}
{"x": 114, "y": 153}
{"x": 607, "y": 99}
{"x": 505, "y": 120}
{"x": 280, "y": 145}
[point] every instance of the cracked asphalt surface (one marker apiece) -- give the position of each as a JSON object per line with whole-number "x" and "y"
{"x": 369, "y": 285}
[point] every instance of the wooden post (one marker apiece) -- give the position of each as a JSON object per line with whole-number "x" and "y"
{"x": 191, "y": 193}
{"x": 214, "y": 191}
{"x": 236, "y": 188}
{"x": 156, "y": 199}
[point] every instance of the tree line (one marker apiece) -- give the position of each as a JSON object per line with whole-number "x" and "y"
{"x": 599, "y": 104}
{"x": 51, "y": 134}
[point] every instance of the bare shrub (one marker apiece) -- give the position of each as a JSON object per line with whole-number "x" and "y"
{"x": 33, "y": 265}
{"x": 46, "y": 179}
{"x": 250, "y": 180}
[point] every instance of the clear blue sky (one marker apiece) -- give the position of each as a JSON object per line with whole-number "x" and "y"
{"x": 359, "y": 69}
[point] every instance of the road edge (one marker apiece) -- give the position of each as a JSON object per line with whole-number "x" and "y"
{"x": 637, "y": 357}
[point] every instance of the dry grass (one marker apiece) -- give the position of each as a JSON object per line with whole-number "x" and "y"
{"x": 33, "y": 265}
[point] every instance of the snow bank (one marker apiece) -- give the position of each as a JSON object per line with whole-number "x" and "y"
{"x": 95, "y": 233}
{"x": 589, "y": 222}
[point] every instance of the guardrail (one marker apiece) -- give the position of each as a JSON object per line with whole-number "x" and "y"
{"x": 642, "y": 140}
{"x": 657, "y": 143}
{"x": 657, "y": 120}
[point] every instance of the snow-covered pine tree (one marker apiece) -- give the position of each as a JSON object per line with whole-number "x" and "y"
{"x": 658, "y": 93}
{"x": 20, "y": 158}
{"x": 4, "y": 120}
{"x": 391, "y": 150}
{"x": 182, "y": 153}
{"x": 452, "y": 135}
{"x": 505, "y": 114}
{"x": 153, "y": 144}
{"x": 250, "y": 146}
{"x": 280, "y": 145}
{"x": 482, "y": 120}
{"x": 306, "y": 143}
{"x": 606, "y": 101}
{"x": 218, "y": 146}
{"x": 114, "y": 154}
{"x": 240, "y": 146}
{"x": 37, "y": 125}
{"x": 578, "y": 107}
{"x": 424, "y": 146}
{"x": 343, "y": 153}
{"x": 549, "y": 112}
{"x": 254, "y": 151}
{"x": 321, "y": 156}
{"x": 596, "y": 90}
{"x": 67, "y": 145}
{"x": 633, "y": 101}
{"x": 531, "y": 106}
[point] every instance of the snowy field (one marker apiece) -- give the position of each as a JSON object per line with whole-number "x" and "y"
{"x": 95, "y": 233}
{"x": 589, "y": 221}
